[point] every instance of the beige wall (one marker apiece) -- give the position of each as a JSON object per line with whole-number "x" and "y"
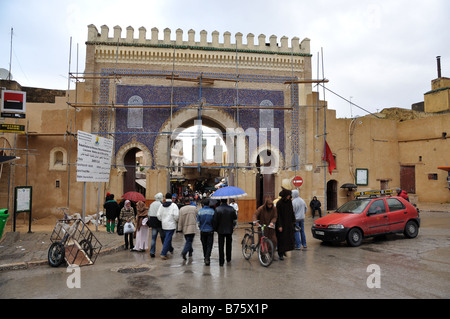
{"x": 421, "y": 144}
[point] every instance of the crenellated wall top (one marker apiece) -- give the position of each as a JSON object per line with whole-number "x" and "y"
{"x": 260, "y": 46}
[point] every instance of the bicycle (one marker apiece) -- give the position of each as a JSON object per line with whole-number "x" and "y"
{"x": 264, "y": 246}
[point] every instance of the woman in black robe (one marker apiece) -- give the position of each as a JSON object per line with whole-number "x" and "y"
{"x": 285, "y": 224}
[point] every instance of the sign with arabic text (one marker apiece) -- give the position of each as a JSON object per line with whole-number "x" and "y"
{"x": 93, "y": 158}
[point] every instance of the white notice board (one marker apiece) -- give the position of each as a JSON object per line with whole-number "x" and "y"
{"x": 93, "y": 158}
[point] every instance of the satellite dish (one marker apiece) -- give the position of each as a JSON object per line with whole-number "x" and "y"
{"x": 5, "y": 75}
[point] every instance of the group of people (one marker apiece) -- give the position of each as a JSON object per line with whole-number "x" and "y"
{"x": 165, "y": 217}
{"x": 285, "y": 217}
{"x": 126, "y": 213}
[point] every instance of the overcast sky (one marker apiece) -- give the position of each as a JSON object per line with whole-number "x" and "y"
{"x": 380, "y": 53}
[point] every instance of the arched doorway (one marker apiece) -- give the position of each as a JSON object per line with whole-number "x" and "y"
{"x": 198, "y": 170}
{"x": 197, "y": 159}
{"x": 215, "y": 119}
{"x": 130, "y": 175}
{"x": 133, "y": 160}
{"x": 332, "y": 194}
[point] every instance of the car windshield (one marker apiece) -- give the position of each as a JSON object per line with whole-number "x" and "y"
{"x": 354, "y": 207}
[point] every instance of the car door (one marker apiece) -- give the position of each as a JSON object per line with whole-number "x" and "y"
{"x": 397, "y": 214}
{"x": 377, "y": 219}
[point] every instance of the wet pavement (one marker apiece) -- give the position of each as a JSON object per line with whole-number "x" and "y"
{"x": 408, "y": 268}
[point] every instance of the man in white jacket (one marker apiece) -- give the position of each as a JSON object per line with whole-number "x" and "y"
{"x": 299, "y": 206}
{"x": 168, "y": 214}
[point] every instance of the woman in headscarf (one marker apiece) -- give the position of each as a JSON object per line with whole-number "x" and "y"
{"x": 285, "y": 224}
{"x": 127, "y": 215}
{"x": 141, "y": 227}
{"x": 266, "y": 214}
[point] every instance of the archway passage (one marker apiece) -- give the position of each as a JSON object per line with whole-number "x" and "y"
{"x": 132, "y": 179}
{"x": 197, "y": 158}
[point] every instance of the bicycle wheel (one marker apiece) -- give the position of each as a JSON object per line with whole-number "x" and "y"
{"x": 56, "y": 254}
{"x": 247, "y": 250}
{"x": 265, "y": 252}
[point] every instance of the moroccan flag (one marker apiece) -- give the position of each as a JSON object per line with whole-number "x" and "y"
{"x": 328, "y": 156}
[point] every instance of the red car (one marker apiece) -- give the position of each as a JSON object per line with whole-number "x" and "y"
{"x": 367, "y": 217}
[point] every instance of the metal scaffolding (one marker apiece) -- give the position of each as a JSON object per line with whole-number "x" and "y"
{"x": 107, "y": 109}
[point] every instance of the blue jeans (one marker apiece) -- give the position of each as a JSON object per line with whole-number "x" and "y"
{"x": 167, "y": 246}
{"x": 188, "y": 245}
{"x": 155, "y": 232}
{"x": 300, "y": 235}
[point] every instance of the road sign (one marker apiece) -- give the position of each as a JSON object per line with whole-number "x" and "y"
{"x": 297, "y": 181}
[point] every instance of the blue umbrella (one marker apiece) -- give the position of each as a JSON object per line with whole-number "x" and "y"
{"x": 228, "y": 192}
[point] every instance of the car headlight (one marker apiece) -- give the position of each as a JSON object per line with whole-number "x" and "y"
{"x": 338, "y": 226}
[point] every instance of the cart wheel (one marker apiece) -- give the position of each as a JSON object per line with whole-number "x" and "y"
{"x": 87, "y": 247}
{"x": 56, "y": 254}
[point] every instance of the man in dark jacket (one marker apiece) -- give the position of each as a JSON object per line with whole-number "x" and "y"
{"x": 315, "y": 205}
{"x": 224, "y": 221}
{"x": 112, "y": 212}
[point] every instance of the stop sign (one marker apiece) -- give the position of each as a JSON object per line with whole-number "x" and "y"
{"x": 297, "y": 181}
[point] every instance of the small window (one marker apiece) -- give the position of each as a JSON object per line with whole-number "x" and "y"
{"x": 394, "y": 204}
{"x": 58, "y": 159}
{"x": 57, "y": 183}
{"x": 432, "y": 177}
{"x": 266, "y": 116}
{"x": 135, "y": 115}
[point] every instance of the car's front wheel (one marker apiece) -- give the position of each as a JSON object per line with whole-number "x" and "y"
{"x": 354, "y": 237}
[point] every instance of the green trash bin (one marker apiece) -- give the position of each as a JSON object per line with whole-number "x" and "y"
{"x": 3, "y": 219}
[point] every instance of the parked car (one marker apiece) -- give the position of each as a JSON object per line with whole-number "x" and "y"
{"x": 367, "y": 217}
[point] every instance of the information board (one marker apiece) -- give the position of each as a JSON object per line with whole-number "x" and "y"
{"x": 93, "y": 158}
{"x": 22, "y": 203}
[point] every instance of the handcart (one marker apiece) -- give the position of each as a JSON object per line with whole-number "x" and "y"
{"x": 73, "y": 242}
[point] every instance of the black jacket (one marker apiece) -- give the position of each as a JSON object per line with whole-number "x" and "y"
{"x": 224, "y": 219}
{"x": 112, "y": 209}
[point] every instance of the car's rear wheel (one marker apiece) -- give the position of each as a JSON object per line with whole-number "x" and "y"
{"x": 354, "y": 237}
{"x": 411, "y": 229}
